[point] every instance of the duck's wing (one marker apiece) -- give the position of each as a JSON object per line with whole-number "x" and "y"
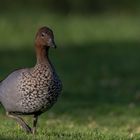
{"x": 9, "y": 91}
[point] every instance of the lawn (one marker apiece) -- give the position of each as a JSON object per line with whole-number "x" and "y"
{"x": 98, "y": 62}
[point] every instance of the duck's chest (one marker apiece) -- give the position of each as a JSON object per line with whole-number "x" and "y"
{"x": 39, "y": 89}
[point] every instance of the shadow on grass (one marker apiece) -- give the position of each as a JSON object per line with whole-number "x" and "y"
{"x": 94, "y": 73}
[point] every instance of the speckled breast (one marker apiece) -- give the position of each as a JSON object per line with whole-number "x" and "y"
{"x": 39, "y": 90}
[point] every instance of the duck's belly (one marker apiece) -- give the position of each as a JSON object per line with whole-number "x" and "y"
{"x": 38, "y": 93}
{"x": 36, "y": 102}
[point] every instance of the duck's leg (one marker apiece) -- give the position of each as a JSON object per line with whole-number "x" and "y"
{"x": 35, "y": 119}
{"x": 20, "y": 121}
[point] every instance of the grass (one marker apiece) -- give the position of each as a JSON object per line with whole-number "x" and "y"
{"x": 20, "y": 27}
{"x": 98, "y": 62}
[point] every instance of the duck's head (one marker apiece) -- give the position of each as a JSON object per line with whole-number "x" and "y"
{"x": 45, "y": 37}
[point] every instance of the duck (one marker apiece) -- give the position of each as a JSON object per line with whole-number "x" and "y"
{"x": 32, "y": 91}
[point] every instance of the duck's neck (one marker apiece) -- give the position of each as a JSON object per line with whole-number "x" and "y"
{"x": 42, "y": 54}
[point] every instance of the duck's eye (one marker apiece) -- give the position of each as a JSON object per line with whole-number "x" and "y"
{"x": 43, "y": 34}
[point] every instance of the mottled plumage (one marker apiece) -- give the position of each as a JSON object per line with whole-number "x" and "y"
{"x": 32, "y": 91}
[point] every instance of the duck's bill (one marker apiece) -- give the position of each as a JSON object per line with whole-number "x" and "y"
{"x": 53, "y": 45}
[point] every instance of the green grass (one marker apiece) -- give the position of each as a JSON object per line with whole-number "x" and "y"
{"x": 98, "y": 61}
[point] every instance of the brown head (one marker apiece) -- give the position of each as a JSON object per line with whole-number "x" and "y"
{"x": 45, "y": 38}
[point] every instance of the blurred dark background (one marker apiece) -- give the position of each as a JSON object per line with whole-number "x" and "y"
{"x": 98, "y": 45}
{"x": 78, "y": 6}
